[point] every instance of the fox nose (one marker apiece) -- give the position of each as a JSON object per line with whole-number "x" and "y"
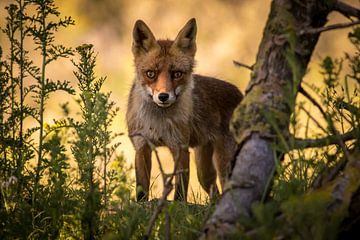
{"x": 163, "y": 97}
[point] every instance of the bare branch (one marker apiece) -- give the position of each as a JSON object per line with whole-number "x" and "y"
{"x": 325, "y": 141}
{"x": 239, "y": 64}
{"x": 167, "y": 182}
{"x": 313, "y": 119}
{"x": 153, "y": 148}
{"x": 347, "y": 10}
{"x": 349, "y": 107}
{"x": 167, "y": 187}
{"x": 341, "y": 142}
{"x": 313, "y": 101}
{"x": 328, "y": 28}
{"x": 338, "y": 138}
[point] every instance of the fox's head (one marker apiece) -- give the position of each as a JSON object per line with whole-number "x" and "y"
{"x": 164, "y": 67}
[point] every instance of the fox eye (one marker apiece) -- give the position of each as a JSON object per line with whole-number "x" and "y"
{"x": 177, "y": 74}
{"x": 150, "y": 74}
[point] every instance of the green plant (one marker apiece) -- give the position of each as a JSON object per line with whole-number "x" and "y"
{"x": 93, "y": 142}
{"x": 301, "y": 202}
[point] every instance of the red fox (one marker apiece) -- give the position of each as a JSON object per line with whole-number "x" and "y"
{"x": 170, "y": 106}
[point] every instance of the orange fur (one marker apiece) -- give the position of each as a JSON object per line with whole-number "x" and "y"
{"x": 170, "y": 106}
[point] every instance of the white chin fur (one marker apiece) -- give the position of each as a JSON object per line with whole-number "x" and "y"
{"x": 166, "y": 104}
{"x": 163, "y": 105}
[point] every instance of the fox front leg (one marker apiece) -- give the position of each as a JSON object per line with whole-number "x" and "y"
{"x": 181, "y": 158}
{"x": 142, "y": 172}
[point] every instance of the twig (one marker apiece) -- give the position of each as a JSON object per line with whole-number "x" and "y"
{"x": 313, "y": 119}
{"x": 350, "y": 108}
{"x": 328, "y": 28}
{"x": 321, "y": 142}
{"x": 153, "y": 148}
{"x": 167, "y": 185}
{"x": 313, "y": 101}
{"x": 239, "y": 64}
{"x": 167, "y": 182}
{"x": 162, "y": 203}
{"x": 346, "y": 9}
{"x": 337, "y": 137}
{"x": 340, "y": 142}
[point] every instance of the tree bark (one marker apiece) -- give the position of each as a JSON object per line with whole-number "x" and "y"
{"x": 264, "y": 113}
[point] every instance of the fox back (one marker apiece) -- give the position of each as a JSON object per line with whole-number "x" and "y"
{"x": 170, "y": 106}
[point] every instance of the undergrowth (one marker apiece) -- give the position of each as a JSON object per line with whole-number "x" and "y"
{"x": 64, "y": 179}
{"x": 299, "y": 203}
{"x": 44, "y": 195}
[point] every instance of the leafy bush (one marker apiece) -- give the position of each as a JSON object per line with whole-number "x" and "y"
{"x": 40, "y": 193}
{"x": 46, "y": 199}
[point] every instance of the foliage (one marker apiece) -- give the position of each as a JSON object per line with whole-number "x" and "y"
{"x": 42, "y": 192}
{"x": 180, "y": 220}
{"x": 64, "y": 180}
{"x": 300, "y": 204}
{"x": 92, "y": 142}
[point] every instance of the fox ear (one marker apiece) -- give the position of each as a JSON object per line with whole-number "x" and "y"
{"x": 143, "y": 38}
{"x": 186, "y": 38}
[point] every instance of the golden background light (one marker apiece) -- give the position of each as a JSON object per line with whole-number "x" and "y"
{"x": 227, "y": 30}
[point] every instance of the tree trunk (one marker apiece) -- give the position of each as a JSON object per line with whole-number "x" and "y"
{"x": 264, "y": 113}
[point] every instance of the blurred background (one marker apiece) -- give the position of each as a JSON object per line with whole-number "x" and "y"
{"x": 227, "y": 30}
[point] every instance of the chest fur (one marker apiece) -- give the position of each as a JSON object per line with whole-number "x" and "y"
{"x": 162, "y": 126}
